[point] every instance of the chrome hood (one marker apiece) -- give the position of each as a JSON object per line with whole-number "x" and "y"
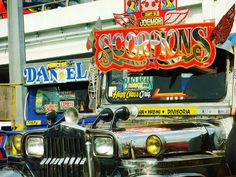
{"x": 178, "y": 138}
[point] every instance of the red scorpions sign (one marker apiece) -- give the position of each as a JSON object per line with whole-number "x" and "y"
{"x": 153, "y": 37}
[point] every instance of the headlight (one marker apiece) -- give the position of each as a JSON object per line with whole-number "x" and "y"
{"x": 17, "y": 142}
{"x": 34, "y": 146}
{"x": 13, "y": 143}
{"x": 103, "y": 146}
{"x": 155, "y": 145}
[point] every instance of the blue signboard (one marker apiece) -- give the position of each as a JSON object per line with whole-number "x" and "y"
{"x": 56, "y": 72}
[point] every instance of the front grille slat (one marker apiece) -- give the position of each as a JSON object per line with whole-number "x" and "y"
{"x": 65, "y": 167}
{"x": 60, "y": 167}
{"x": 47, "y": 167}
{"x": 58, "y": 140}
{"x": 64, "y": 149}
{"x": 76, "y": 166}
{"x": 50, "y": 146}
{"x": 46, "y": 148}
{"x": 72, "y": 147}
{"x": 81, "y": 167}
{"x": 71, "y": 167}
{"x": 63, "y": 154}
{"x": 67, "y": 145}
{"x": 51, "y": 169}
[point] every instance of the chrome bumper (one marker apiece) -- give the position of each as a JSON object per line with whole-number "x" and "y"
{"x": 176, "y": 166}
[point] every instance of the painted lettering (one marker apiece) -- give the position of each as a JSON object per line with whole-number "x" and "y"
{"x": 71, "y": 73}
{"x": 41, "y": 75}
{"x": 160, "y": 48}
{"x": 30, "y": 74}
{"x": 81, "y": 75}
{"x": 178, "y": 112}
{"x": 147, "y": 22}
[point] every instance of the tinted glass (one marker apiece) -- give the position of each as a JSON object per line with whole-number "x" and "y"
{"x": 176, "y": 85}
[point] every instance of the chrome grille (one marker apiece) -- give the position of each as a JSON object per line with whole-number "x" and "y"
{"x": 64, "y": 153}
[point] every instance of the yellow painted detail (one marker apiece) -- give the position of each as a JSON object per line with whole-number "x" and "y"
{"x": 18, "y": 126}
{"x": 14, "y": 151}
{"x": 17, "y": 142}
{"x": 10, "y": 84}
{"x": 56, "y": 65}
{"x": 33, "y": 122}
{"x": 167, "y": 111}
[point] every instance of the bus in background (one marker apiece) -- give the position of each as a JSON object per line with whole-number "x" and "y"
{"x": 3, "y": 8}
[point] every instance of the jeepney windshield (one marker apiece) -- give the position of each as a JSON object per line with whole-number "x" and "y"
{"x": 176, "y": 85}
{"x": 61, "y": 97}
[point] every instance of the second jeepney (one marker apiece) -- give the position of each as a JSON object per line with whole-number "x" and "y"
{"x": 165, "y": 99}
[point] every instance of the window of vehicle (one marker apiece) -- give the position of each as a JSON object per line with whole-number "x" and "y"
{"x": 176, "y": 85}
{"x": 61, "y": 97}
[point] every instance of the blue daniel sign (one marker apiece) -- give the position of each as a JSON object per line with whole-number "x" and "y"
{"x": 57, "y": 72}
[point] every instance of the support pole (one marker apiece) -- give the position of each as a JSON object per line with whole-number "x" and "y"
{"x": 16, "y": 45}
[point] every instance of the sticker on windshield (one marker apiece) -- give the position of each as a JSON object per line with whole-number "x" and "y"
{"x": 33, "y": 122}
{"x": 39, "y": 99}
{"x": 67, "y": 95}
{"x": 138, "y": 83}
{"x": 129, "y": 94}
{"x": 169, "y": 96}
{"x": 49, "y": 107}
{"x": 111, "y": 90}
{"x": 66, "y": 104}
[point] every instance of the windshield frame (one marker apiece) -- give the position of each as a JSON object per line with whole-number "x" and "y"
{"x": 225, "y": 69}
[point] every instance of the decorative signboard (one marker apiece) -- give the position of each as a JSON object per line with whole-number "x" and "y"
{"x": 154, "y": 37}
{"x": 162, "y": 47}
{"x": 56, "y": 72}
{"x": 146, "y": 13}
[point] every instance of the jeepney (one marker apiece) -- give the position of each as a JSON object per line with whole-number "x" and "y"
{"x": 56, "y": 85}
{"x": 174, "y": 138}
{"x": 52, "y": 87}
{"x": 165, "y": 99}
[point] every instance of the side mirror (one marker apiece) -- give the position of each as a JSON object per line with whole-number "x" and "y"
{"x": 105, "y": 115}
{"x": 51, "y": 117}
{"x": 122, "y": 113}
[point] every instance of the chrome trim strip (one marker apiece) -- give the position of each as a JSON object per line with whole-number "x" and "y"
{"x": 90, "y": 159}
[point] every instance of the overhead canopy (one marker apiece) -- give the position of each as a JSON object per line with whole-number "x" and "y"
{"x": 227, "y": 45}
